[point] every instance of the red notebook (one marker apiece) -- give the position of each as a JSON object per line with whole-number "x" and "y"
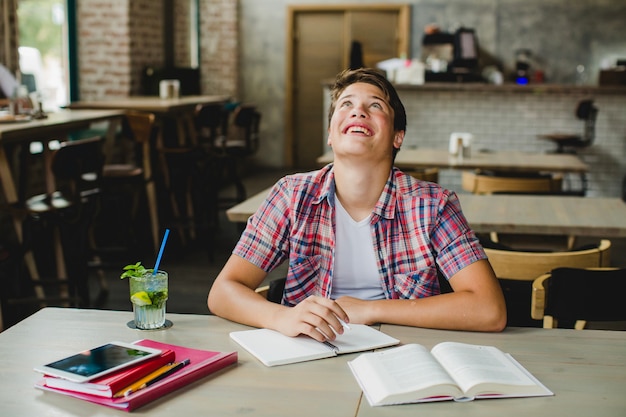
{"x": 108, "y": 385}
{"x": 202, "y": 363}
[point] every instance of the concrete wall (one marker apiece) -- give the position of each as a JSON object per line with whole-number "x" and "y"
{"x": 511, "y": 120}
{"x": 561, "y": 33}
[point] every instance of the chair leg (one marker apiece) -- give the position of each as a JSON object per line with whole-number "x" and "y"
{"x": 154, "y": 216}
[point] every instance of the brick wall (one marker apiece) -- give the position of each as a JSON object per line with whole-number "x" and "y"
{"x": 146, "y": 39}
{"x": 8, "y": 35}
{"x": 112, "y": 53}
{"x": 103, "y": 48}
{"x": 181, "y": 35}
{"x": 219, "y": 40}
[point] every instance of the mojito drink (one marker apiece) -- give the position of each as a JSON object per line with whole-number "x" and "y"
{"x": 148, "y": 294}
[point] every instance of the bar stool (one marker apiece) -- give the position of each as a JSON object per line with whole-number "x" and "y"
{"x": 125, "y": 183}
{"x": 62, "y": 219}
{"x": 571, "y": 142}
{"x": 241, "y": 141}
{"x": 179, "y": 163}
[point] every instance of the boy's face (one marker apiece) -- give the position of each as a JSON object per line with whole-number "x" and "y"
{"x": 362, "y": 123}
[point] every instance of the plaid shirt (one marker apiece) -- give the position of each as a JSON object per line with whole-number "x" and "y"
{"x": 417, "y": 227}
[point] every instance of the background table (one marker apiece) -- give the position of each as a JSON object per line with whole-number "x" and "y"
{"x": 525, "y": 214}
{"x": 585, "y": 369}
{"x": 547, "y": 215}
{"x": 511, "y": 161}
{"x": 182, "y": 108}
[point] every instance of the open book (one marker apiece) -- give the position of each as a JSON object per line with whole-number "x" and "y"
{"x": 274, "y": 348}
{"x": 450, "y": 371}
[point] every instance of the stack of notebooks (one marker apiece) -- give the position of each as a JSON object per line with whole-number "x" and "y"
{"x": 125, "y": 390}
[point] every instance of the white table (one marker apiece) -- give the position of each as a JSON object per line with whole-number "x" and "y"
{"x": 585, "y": 369}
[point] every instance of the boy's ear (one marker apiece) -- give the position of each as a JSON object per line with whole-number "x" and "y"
{"x": 398, "y": 139}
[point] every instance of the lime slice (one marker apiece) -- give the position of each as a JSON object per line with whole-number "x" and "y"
{"x": 140, "y": 298}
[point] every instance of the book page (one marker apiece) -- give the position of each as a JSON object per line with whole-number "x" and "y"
{"x": 484, "y": 370}
{"x": 361, "y": 337}
{"x": 273, "y": 348}
{"x": 407, "y": 373}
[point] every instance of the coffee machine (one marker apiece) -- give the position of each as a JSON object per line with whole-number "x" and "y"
{"x": 451, "y": 57}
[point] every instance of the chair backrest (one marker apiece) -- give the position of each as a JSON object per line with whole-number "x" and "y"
{"x": 517, "y": 269}
{"x": 426, "y": 174}
{"x": 79, "y": 165}
{"x": 143, "y": 129}
{"x": 587, "y": 112}
{"x": 273, "y": 291}
{"x": 526, "y": 266}
{"x": 481, "y": 183}
{"x": 565, "y": 294}
{"x": 211, "y": 122}
{"x": 245, "y": 125}
{"x": 141, "y": 125}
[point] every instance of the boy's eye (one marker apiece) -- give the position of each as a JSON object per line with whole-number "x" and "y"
{"x": 377, "y": 105}
{"x": 345, "y": 103}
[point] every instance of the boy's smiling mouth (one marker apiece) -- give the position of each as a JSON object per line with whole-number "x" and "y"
{"x": 359, "y": 129}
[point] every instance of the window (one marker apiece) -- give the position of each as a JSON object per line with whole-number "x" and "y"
{"x": 43, "y": 50}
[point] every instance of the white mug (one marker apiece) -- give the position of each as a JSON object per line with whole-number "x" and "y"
{"x": 169, "y": 89}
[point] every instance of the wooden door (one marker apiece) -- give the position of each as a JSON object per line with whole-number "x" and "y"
{"x": 318, "y": 57}
{"x": 320, "y": 40}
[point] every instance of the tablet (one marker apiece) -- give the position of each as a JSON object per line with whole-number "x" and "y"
{"x": 93, "y": 363}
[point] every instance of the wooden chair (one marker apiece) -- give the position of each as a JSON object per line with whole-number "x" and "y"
{"x": 56, "y": 225}
{"x": 516, "y": 270}
{"x": 211, "y": 121}
{"x": 240, "y": 142}
{"x": 579, "y": 295}
{"x": 125, "y": 182}
{"x": 480, "y": 182}
{"x": 273, "y": 291}
{"x": 426, "y": 174}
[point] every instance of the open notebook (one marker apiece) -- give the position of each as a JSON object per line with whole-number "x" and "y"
{"x": 273, "y": 348}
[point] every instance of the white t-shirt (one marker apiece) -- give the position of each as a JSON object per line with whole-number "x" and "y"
{"x": 355, "y": 272}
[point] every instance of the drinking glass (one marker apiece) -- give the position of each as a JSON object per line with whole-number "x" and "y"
{"x": 148, "y": 294}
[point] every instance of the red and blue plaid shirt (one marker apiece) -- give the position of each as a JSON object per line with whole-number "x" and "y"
{"x": 417, "y": 228}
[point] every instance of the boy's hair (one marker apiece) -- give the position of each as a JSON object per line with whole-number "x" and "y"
{"x": 375, "y": 78}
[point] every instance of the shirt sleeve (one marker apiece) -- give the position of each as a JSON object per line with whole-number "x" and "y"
{"x": 265, "y": 240}
{"x": 455, "y": 242}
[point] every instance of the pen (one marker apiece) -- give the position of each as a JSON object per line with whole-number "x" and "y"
{"x": 152, "y": 378}
{"x": 344, "y": 324}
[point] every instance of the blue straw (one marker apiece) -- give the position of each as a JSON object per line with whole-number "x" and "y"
{"x": 158, "y": 261}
